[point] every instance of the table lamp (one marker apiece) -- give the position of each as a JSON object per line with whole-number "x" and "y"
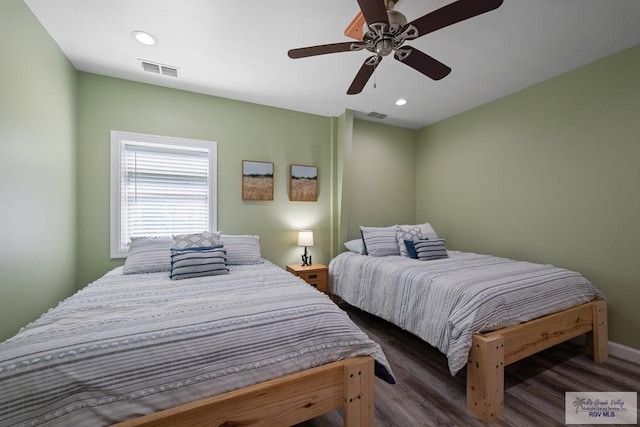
{"x": 305, "y": 238}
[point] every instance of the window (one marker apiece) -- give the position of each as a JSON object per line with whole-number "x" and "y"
{"x": 160, "y": 186}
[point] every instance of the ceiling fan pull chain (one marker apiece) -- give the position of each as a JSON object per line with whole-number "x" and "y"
{"x": 375, "y": 68}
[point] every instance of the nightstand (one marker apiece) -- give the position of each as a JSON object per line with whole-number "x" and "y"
{"x": 315, "y": 274}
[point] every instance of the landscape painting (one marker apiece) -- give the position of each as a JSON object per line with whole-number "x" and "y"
{"x": 257, "y": 180}
{"x": 303, "y": 183}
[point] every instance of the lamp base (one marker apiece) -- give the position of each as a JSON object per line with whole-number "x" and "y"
{"x": 306, "y": 258}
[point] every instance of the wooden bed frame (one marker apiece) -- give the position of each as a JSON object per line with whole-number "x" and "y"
{"x": 492, "y": 351}
{"x": 283, "y": 401}
{"x": 349, "y": 383}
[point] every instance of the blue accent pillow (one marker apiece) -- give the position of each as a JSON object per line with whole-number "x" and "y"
{"x": 411, "y": 249}
{"x": 198, "y": 262}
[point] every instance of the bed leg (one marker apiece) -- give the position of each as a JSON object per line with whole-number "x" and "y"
{"x": 485, "y": 377}
{"x": 358, "y": 393}
{"x": 598, "y": 338}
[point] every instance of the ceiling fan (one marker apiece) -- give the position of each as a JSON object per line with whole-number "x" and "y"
{"x": 387, "y": 31}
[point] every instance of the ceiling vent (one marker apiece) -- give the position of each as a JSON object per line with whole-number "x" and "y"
{"x": 376, "y": 115}
{"x": 166, "y": 70}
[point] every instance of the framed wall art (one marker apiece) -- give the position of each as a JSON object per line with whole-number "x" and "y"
{"x": 257, "y": 180}
{"x": 303, "y": 183}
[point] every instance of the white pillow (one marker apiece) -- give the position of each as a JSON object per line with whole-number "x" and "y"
{"x": 242, "y": 248}
{"x": 355, "y": 246}
{"x": 407, "y": 233}
{"x": 196, "y": 240}
{"x": 380, "y": 241}
{"x": 426, "y": 229}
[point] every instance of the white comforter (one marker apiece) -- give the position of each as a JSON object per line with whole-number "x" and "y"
{"x": 446, "y": 301}
{"x": 129, "y": 345}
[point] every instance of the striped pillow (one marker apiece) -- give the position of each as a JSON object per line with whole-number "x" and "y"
{"x": 430, "y": 249}
{"x": 380, "y": 241}
{"x": 242, "y": 249}
{"x": 148, "y": 255}
{"x": 198, "y": 262}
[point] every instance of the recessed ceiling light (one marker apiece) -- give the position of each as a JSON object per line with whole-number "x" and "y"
{"x": 401, "y": 101}
{"x": 144, "y": 37}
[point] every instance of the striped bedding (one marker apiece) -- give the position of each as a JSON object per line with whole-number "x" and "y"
{"x": 446, "y": 301}
{"x": 129, "y": 345}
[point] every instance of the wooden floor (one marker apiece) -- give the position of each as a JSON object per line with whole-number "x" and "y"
{"x": 427, "y": 395}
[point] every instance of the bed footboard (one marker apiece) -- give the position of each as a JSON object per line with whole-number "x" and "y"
{"x": 492, "y": 351}
{"x": 283, "y": 401}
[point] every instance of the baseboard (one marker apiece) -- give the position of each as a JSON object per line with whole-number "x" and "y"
{"x": 624, "y": 352}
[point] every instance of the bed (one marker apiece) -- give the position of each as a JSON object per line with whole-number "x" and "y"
{"x": 255, "y": 346}
{"x": 482, "y": 312}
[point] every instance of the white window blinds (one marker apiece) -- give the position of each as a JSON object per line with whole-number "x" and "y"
{"x": 164, "y": 189}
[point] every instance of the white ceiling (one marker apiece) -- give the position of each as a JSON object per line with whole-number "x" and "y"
{"x": 238, "y": 50}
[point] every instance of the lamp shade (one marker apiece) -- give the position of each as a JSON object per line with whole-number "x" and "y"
{"x": 305, "y": 238}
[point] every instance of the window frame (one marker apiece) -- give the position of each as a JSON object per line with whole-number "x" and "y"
{"x": 118, "y": 140}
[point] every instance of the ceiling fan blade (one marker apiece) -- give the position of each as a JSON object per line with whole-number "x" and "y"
{"x": 324, "y": 49}
{"x": 422, "y": 62}
{"x": 361, "y": 79}
{"x": 354, "y": 29}
{"x": 453, "y": 13}
{"x": 374, "y": 11}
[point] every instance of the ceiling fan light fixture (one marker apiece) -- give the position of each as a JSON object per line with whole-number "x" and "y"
{"x": 144, "y": 37}
{"x": 384, "y": 47}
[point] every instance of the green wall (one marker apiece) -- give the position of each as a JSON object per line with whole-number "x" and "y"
{"x": 37, "y": 170}
{"x": 550, "y": 174}
{"x": 242, "y": 130}
{"x": 382, "y": 177}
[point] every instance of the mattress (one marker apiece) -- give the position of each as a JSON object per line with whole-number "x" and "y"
{"x": 130, "y": 345}
{"x": 446, "y": 301}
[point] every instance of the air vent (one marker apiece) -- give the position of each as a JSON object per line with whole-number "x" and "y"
{"x": 159, "y": 68}
{"x": 376, "y": 115}
{"x": 169, "y": 71}
{"x": 152, "y": 68}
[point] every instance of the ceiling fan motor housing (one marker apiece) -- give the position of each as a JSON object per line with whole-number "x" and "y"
{"x": 396, "y": 21}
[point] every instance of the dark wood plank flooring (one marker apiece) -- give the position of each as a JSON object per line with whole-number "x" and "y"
{"x": 427, "y": 395}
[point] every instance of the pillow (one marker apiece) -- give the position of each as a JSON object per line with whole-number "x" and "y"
{"x": 198, "y": 262}
{"x": 411, "y": 248}
{"x": 407, "y": 233}
{"x": 242, "y": 249}
{"x": 380, "y": 241}
{"x": 197, "y": 240}
{"x": 430, "y": 249}
{"x": 148, "y": 255}
{"x": 355, "y": 246}
{"x": 426, "y": 229}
